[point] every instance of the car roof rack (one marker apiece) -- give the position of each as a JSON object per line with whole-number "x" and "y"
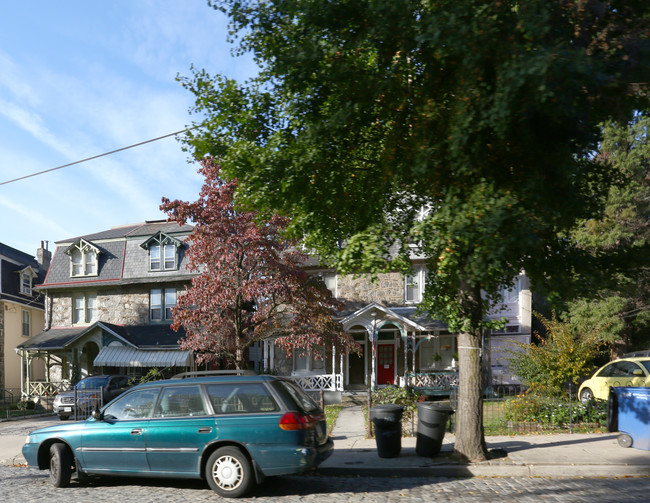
{"x": 207, "y": 373}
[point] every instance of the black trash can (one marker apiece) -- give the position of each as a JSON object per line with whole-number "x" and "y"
{"x": 432, "y": 422}
{"x": 387, "y": 421}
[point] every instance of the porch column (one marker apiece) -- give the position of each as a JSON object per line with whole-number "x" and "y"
{"x": 373, "y": 344}
{"x": 334, "y": 387}
{"x": 22, "y": 373}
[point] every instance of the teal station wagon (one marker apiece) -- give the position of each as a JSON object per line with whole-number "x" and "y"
{"x": 232, "y": 430}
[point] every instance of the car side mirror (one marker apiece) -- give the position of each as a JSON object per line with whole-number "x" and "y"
{"x": 637, "y": 372}
{"x": 97, "y": 415}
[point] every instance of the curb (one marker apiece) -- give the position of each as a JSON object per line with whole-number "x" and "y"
{"x": 492, "y": 470}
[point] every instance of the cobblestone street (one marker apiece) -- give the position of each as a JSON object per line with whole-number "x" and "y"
{"x": 18, "y": 485}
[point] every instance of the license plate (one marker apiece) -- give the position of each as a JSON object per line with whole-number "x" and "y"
{"x": 67, "y": 409}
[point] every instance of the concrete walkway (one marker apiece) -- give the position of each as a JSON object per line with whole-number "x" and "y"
{"x": 541, "y": 455}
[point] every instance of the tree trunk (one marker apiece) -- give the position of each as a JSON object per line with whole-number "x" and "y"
{"x": 470, "y": 440}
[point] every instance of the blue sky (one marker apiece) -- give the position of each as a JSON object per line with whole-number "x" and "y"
{"x": 80, "y": 78}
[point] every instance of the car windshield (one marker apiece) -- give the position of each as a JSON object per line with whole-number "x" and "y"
{"x": 92, "y": 383}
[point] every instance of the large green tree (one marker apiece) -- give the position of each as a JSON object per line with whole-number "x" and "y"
{"x": 622, "y": 231}
{"x": 485, "y": 113}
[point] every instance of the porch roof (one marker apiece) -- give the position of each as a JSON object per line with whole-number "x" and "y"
{"x": 414, "y": 320}
{"x": 137, "y": 336}
{"x": 121, "y": 356}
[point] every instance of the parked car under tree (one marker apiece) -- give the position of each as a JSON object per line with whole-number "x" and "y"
{"x": 230, "y": 430}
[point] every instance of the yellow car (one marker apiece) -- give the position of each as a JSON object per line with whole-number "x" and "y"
{"x": 623, "y": 372}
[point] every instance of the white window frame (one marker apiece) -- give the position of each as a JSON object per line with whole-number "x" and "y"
{"x": 86, "y": 311}
{"x": 414, "y": 283}
{"x": 26, "y": 283}
{"x": 163, "y": 254}
{"x": 165, "y": 304}
{"x": 26, "y": 323}
{"x": 83, "y": 260}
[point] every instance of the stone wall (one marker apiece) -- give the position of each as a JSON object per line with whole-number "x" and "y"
{"x": 123, "y": 306}
{"x": 387, "y": 289}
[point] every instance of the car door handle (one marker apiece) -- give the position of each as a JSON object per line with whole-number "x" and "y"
{"x": 205, "y": 429}
{"x": 136, "y": 431}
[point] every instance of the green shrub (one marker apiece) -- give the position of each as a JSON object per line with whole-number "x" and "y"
{"x": 399, "y": 396}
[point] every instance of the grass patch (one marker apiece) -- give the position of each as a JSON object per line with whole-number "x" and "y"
{"x": 331, "y": 413}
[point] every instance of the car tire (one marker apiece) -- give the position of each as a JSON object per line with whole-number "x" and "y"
{"x": 60, "y": 465}
{"x": 229, "y": 472}
{"x": 64, "y": 418}
{"x": 586, "y": 395}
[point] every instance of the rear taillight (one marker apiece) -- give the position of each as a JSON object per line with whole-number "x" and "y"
{"x": 292, "y": 421}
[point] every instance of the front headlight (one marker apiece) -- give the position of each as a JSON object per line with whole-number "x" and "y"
{"x": 28, "y": 439}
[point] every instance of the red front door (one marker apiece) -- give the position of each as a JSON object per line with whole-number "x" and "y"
{"x": 385, "y": 364}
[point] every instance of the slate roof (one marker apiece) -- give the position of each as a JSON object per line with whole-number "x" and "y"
{"x": 10, "y": 279}
{"x": 121, "y": 259}
{"x": 147, "y": 228}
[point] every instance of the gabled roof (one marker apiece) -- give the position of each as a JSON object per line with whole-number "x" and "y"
{"x": 161, "y": 237}
{"x": 409, "y": 316}
{"x": 82, "y": 243}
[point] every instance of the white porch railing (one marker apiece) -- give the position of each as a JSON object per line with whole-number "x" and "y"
{"x": 435, "y": 382}
{"x": 321, "y": 382}
{"x": 42, "y": 388}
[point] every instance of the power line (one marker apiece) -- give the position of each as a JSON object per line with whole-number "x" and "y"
{"x": 100, "y": 155}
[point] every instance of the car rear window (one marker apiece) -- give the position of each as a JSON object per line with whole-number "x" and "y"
{"x": 301, "y": 400}
{"x": 241, "y": 398}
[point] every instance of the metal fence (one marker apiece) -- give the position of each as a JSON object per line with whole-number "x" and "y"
{"x": 515, "y": 409}
{"x": 14, "y": 405}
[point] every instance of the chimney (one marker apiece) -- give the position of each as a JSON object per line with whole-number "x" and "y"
{"x": 44, "y": 257}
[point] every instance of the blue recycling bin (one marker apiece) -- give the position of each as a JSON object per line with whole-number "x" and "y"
{"x": 633, "y": 416}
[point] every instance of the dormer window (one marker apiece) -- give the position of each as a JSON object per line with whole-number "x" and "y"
{"x": 26, "y": 277}
{"x": 163, "y": 252}
{"x": 83, "y": 259}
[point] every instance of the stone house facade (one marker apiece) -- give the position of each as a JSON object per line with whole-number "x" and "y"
{"x": 400, "y": 345}
{"x": 107, "y": 300}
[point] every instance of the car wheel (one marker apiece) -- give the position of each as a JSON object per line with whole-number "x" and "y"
{"x": 60, "y": 465}
{"x": 586, "y": 395}
{"x": 229, "y": 472}
{"x": 64, "y": 418}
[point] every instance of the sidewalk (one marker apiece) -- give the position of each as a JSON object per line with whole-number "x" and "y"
{"x": 553, "y": 455}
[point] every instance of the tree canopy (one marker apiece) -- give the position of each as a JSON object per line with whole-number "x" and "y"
{"x": 250, "y": 285}
{"x": 622, "y": 232}
{"x": 485, "y": 113}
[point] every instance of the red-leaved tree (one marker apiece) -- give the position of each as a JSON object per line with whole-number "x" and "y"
{"x": 250, "y": 284}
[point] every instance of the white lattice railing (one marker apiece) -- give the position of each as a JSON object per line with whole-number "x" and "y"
{"x": 42, "y": 388}
{"x": 324, "y": 382}
{"x": 432, "y": 380}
